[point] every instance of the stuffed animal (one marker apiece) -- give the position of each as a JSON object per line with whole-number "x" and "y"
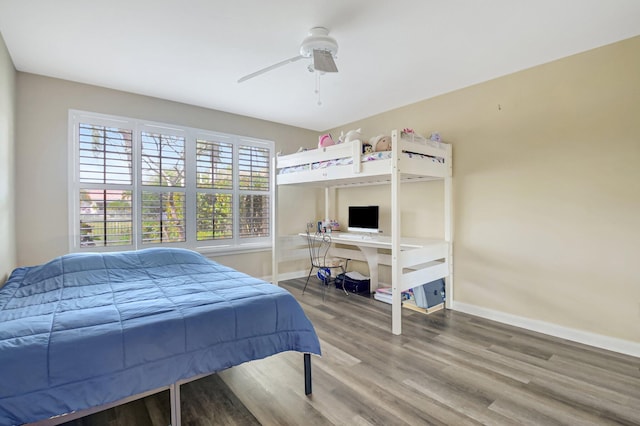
{"x": 366, "y": 148}
{"x": 325, "y": 140}
{"x": 351, "y": 136}
{"x": 381, "y": 143}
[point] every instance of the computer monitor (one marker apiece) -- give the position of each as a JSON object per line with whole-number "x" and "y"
{"x": 363, "y": 219}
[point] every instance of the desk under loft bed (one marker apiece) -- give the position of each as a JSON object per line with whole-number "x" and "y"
{"x": 344, "y": 165}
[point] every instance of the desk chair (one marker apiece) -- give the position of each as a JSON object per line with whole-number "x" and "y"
{"x": 319, "y": 244}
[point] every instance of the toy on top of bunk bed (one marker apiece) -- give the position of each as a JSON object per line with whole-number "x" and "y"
{"x": 411, "y": 136}
{"x": 350, "y": 136}
{"x": 381, "y": 143}
{"x": 377, "y": 144}
{"x": 325, "y": 140}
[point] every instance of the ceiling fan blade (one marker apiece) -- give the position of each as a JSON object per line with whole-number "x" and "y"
{"x": 272, "y": 67}
{"x": 323, "y": 61}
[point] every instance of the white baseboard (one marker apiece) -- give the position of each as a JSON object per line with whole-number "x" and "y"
{"x": 600, "y": 341}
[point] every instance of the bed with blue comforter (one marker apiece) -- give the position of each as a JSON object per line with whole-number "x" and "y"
{"x": 89, "y": 329}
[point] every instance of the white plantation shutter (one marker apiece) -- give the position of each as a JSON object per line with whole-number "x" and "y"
{"x": 214, "y": 216}
{"x": 253, "y": 165}
{"x": 254, "y": 187}
{"x": 214, "y": 162}
{"x": 254, "y": 216}
{"x": 163, "y": 217}
{"x": 105, "y": 155}
{"x": 163, "y": 176}
{"x": 106, "y": 218}
{"x": 214, "y": 180}
{"x": 105, "y": 174}
{"x": 162, "y": 160}
{"x": 136, "y": 184}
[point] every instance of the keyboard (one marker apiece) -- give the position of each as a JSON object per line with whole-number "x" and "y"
{"x": 353, "y": 236}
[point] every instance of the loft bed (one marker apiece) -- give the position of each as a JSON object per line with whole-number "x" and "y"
{"x": 89, "y": 331}
{"x": 344, "y": 164}
{"x": 409, "y": 160}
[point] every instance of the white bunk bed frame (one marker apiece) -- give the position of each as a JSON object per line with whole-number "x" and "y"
{"x": 409, "y": 268}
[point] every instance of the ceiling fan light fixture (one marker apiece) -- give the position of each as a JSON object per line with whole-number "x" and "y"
{"x": 318, "y": 39}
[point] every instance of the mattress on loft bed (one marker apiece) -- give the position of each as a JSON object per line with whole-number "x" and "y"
{"x": 85, "y": 330}
{"x": 373, "y": 156}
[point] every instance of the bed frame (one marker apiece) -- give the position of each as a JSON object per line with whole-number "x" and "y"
{"x": 174, "y": 396}
{"x": 410, "y": 268}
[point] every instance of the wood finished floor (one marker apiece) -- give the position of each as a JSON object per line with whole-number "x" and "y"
{"x": 447, "y": 368}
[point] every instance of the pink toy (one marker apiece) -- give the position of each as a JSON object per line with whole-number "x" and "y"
{"x": 325, "y": 140}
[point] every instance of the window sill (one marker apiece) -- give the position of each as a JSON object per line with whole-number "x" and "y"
{"x": 229, "y": 250}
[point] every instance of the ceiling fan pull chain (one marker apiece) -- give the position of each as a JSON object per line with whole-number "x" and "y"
{"x": 317, "y": 91}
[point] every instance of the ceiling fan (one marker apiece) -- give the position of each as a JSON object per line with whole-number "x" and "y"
{"x": 318, "y": 46}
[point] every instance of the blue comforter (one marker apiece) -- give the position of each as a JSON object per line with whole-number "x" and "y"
{"x": 88, "y": 329}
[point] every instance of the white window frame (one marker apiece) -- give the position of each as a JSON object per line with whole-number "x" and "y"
{"x": 191, "y": 135}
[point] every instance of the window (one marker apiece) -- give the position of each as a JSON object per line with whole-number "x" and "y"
{"x": 163, "y": 179}
{"x": 214, "y": 206}
{"x": 253, "y": 167}
{"x": 105, "y": 184}
{"x": 135, "y": 184}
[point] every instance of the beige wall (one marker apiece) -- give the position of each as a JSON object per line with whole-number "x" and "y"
{"x": 42, "y": 157}
{"x": 7, "y": 149}
{"x": 546, "y": 189}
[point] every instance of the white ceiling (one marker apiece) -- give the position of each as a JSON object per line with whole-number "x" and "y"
{"x": 391, "y": 53}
